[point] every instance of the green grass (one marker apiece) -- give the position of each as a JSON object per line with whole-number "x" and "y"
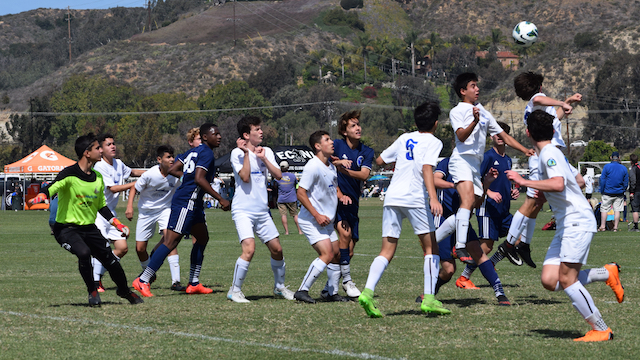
{"x": 43, "y": 308}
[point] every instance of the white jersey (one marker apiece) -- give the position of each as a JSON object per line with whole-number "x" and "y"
{"x": 410, "y": 152}
{"x": 156, "y": 190}
{"x": 112, "y": 175}
{"x": 251, "y": 196}
{"x": 571, "y": 209}
{"x": 557, "y": 125}
{"x": 461, "y": 117}
{"x": 321, "y": 183}
{"x": 588, "y": 184}
{"x": 216, "y": 184}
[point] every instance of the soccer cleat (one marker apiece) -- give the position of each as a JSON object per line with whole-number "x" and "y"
{"x": 94, "y": 299}
{"x": 132, "y": 297}
{"x": 198, "y": 289}
{"x": 509, "y": 251}
{"x": 420, "y": 298}
{"x": 463, "y": 255}
{"x": 142, "y": 287}
{"x": 503, "y": 300}
{"x": 595, "y": 335}
{"x": 332, "y": 298}
{"x": 524, "y": 252}
{"x": 350, "y": 288}
{"x": 237, "y": 296}
{"x": 176, "y": 286}
{"x": 433, "y": 306}
{"x": 284, "y": 293}
{"x": 465, "y": 283}
{"x": 99, "y": 286}
{"x": 303, "y": 295}
{"x": 614, "y": 280}
{"x": 369, "y": 305}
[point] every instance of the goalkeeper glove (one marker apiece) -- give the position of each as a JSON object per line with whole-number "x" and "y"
{"x": 38, "y": 199}
{"x": 120, "y": 226}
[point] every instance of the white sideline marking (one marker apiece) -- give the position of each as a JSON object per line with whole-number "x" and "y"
{"x": 202, "y": 337}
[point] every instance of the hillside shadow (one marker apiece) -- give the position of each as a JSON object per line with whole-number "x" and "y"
{"x": 556, "y": 334}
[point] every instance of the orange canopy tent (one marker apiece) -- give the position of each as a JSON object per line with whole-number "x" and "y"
{"x": 42, "y": 161}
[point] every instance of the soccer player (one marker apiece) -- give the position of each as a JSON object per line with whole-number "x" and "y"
{"x": 318, "y": 193}
{"x": 575, "y": 227}
{"x": 287, "y": 199}
{"x": 528, "y": 87}
{"x": 81, "y": 197}
{"x": 493, "y": 215}
{"x": 114, "y": 173}
{"x": 410, "y": 195}
{"x": 450, "y": 201}
{"x": 250, "y": 211}
{"x": 471, "y": 123}
{"x": 216, "y": 185}
{"x": 187, "y": 212}
{"x": 156, "y": 188}
{"x": 350, "y": 183}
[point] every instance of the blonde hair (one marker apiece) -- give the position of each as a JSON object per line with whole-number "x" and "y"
{"x": 191, "y": 134}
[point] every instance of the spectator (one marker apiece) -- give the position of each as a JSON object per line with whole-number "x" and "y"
{"x": 287, "y": 199}
{"x": 634, "y": 188}
{"x": 613, "y": 184}
{"x": 588, "y": 183}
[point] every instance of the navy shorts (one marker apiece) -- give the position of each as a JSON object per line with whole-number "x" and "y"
{"x": 494, "y": 227}
{"x": 349, "y": 214}
{"x": 446, "y": 246}
{"x": 182, "y": 219}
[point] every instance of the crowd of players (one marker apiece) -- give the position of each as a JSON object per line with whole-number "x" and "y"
{"x": 437, "y": 198}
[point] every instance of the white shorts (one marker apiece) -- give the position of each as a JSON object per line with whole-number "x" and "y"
{"x": 534, "y": 174}
{"x": 259, "y": 223}
{"x": 611, "y": 201}
{"x": 420, "y": 219}
{"x": 107, "y": 230}
{"x": 147, "y": 223}
{"x": 467, "y": 168}
{"x": 570, "y": 247}
{"x": 315, "y": 232}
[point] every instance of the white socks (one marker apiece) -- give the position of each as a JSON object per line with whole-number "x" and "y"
{"x": 378, "y": 266}
{"x": 447, "y": 228}
{"x": 315, "y": 269}
{"x": 530, "y": 226}
{"x": 431, "y": 270}
{"x": 174, "y": 267}
{"x": 277, "y": 266}
{"x": 583, "y": 302}
{"x": 516, "y": 228}
{"x": 239, "y": 274}
{"x": 333, "y": 273}
{"x": 462, "y": 227}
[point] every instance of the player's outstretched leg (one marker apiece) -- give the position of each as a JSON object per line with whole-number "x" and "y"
{"x": 378, "y": 266}
{"x": 464, "y": 281}
{"x": 509, "y": 251}
{"x": 613, "y": 280}
{"x": 431, "y": 271}
{"x": 197, "y": 256}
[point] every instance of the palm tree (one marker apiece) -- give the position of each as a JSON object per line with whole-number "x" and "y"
{"x": 392, "y": 50}
{"x": 410, "y": 40}
{"x": 364, "y": 47}
{"x": 342, "y": 50}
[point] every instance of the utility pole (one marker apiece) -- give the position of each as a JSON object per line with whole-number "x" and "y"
{"x": 69, "y": 26}
{"x": 149, "y": 15}
{"x": 413, "y": 61}
{"x": 234, "y": 22}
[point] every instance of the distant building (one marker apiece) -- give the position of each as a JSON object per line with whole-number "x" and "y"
{"x": 508, "y": 59}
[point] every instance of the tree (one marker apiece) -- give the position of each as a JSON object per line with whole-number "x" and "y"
{"x": 364, "y": 44}
{"x": 273, "y": 75}
{"x": 235, "y": 94}
{"x": 29, "y": 131}
{"x": 342, "y": 49}
{"x": 614, "y": 109}
{"x": 597, "y": 150}
{"x": 412, "y": 91}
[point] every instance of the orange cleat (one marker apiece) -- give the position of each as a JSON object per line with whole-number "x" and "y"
{"x": 614, "y": 280}
{"x": 142, "y": 287}
{"x": 198, "y": 289}
{"x": 465, "y": 283}
{"x": 595, "y": 335}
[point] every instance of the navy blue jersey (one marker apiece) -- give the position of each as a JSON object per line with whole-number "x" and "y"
{"x": 500, "y": 185}
{"x": 361, "y": 157}
{"x": 189, "y": 194}
{"x": 449, "y": 198}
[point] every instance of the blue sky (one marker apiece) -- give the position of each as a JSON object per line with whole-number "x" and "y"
{"x": 14, "y": 7}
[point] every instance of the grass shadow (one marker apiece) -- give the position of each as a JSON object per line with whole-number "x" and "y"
{"x": 463, "y": 303}
{"x": 87, "y": 304}
{"x": 534, "y": 300}
{"x": 557, "y": 334}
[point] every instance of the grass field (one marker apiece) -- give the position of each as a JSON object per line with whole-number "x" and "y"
{"x": 44, "y": 312}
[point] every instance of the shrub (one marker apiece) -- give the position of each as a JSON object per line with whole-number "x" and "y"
{"x": 369, "y": 92}
{"x": 351, "y": 4}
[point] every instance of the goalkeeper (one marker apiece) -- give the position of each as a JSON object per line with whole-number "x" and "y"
{"x": 80, "y": 192}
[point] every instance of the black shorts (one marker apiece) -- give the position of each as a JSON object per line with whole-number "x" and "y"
{"x": 588, "y": 196}
{"x": 75, "y": 237}
{"x": 635, "y": 203}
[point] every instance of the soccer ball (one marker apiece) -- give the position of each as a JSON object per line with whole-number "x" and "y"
{"x": 525, "y": 33}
